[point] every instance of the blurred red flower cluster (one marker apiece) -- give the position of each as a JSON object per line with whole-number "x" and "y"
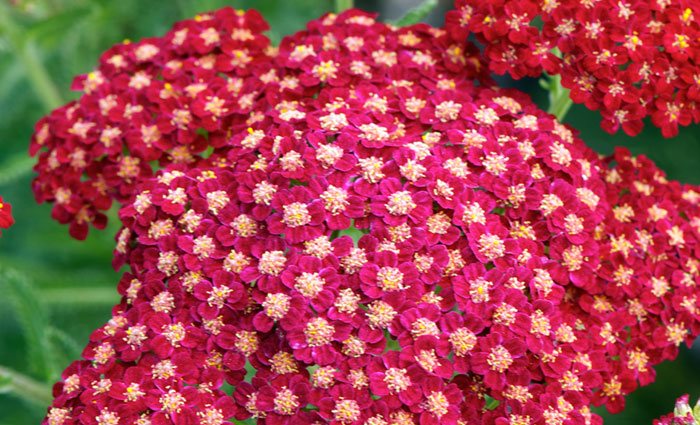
{"x": 6, "y": 219}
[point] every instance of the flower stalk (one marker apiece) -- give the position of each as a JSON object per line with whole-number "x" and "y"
{"x": 28, "y": 55}
{"x": 88, "y": 296}
{"x": 24, "y": 387}
{"x": 341, "y": 5}
{"x": 559, "y": 100}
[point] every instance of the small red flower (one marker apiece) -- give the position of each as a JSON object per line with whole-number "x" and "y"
{"x": 6, "y": 219}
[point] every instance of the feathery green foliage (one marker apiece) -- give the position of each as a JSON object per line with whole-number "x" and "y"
{"x": 31, "y": 314}
{"x": 417, "y": 14}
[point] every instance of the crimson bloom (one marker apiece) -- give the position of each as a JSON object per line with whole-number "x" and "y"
{"x": 6, "y": 219}
{"x": 358, "y": 227}
{"x": 629, "y": 59}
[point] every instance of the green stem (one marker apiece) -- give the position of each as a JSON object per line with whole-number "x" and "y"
{"x": 25, "y": 387}
{"x": 39, "y": 77}
{"x": 28, "y": 55}
{"x": 559, "y": 99}
{"x": 79, "y": 296}
{"x": 341, "y": 5}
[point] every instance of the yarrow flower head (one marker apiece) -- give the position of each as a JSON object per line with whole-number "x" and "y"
{"x": 160, "y": 100}
{"x": 382, "y": 237}
{"x": 628, "y": 59}
{"x": 6, "y": 219}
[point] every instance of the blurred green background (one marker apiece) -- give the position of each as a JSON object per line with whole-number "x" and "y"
{"x": 63, "y": 289}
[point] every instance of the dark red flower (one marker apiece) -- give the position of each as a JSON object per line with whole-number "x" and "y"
{"x": 6, "y": 219}
{"x": 627, "y": 59}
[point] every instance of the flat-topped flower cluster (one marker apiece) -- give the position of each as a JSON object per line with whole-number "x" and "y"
{"x": 628, "y": 59}
{"x": 357, "y": 228}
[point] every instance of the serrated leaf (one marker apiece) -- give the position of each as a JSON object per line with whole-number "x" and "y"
{"x": 416, "y": 14}
{"x": 31, "y": 315}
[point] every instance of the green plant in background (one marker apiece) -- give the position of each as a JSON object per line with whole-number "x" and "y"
{"x": 42, "y": 353}
{"x": 54, "y": 290}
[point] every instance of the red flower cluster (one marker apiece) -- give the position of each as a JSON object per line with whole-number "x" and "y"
{"x": 630, "y": 59}
{"x": 155, "y": 102}
{"x": 6, "y": 219}
{"x": 379, "y": 240}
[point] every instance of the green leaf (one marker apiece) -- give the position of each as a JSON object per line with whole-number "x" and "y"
{"x": 64, "y": 343}
{"x": 89, "y": 296}
{"x": 353, "y": 232}
{"x": 11, "y": 76}
{"x": 491, "y": 403}
{"x": 245, "y": 422}
{"x": 29, "y": 56}
{"x": 55, "y": 25}
{"x": 31, "y": 315}
{"x": 695, "y": 412}
{"x": 416, "y": 14}
{"x": 15, "y": 168}
{"x": 24, "y": 387}
{"x": 341, "y": 5}
{"x": 5, "y": 384}
{"x": 559, "y": 98}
